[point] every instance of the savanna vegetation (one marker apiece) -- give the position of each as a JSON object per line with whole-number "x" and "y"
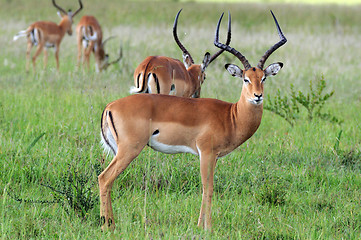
{"x": 298, "y": 177}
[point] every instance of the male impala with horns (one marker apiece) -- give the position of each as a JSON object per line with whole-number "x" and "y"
{"x": 44, "y": 35}
{"x": 206, "y": 127}
{"x": 90, "y": 40}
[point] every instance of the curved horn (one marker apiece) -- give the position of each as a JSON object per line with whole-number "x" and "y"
{"x": 59, "y": 8}
{"x": 106, "y": 40}
{"x": 77, "y": 11}
{"x": 180, "y": 45}
{"x": 228, "y": 48}
{"x": 227, "y": 42}
{"x": 120, "y": 55}
{"x": 274, "y": 47}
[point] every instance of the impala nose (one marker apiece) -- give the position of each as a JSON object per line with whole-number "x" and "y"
{"x": 258, "y": 99}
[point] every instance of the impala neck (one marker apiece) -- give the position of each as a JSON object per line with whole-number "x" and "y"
{"x": 194, "y": 71}
{"x": 247, "y": 116}
{"x": 65, "y": 24}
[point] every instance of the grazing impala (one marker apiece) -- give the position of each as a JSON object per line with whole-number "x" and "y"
{"x": 90, "y": 39}
{"x": 48, "y": 34}
{"x": 206, "y": 127}
{"x": 165, "y": 75}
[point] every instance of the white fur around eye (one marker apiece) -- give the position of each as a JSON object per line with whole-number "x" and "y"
{"x": 247, "y": 80}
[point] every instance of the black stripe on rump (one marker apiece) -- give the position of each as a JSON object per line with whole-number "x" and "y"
{"x": 91, "y": 30}
{"x": 156, "y": 82}
{"x": 111, "y": 119}
{"x": 33, "y": 37}
{"x": 138, "y": 80}
{"x": 103, "y": 134}
{"x": 145, "y": 85}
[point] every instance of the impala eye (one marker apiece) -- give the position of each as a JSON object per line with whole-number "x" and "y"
{"x": 246, "y": 80}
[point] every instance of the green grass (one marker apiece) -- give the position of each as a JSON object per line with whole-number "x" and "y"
{"x": 284, "y": 183}
{"x": 313, "y": 2}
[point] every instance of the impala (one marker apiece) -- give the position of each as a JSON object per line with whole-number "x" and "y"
{"x": 165, "y": 75}
{"x": 44, "y": 35}
{"x": 90, "y": 39}
{"x": 209, "y": 128}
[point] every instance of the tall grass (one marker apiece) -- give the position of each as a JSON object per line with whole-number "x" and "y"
{"x": 286, "y": 182}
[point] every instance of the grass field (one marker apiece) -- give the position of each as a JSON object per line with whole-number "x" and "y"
{"x": 300, "y": 182}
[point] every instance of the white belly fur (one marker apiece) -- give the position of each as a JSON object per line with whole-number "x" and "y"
{"x": 165, "y": 148}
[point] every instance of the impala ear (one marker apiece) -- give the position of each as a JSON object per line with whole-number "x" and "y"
{"x": 234, "y": 70}
{"x": 273, "y": 69}
{"x": 206, "y": 59}
{"x": 59, "y": 14}
{"x": 187, "y": 60}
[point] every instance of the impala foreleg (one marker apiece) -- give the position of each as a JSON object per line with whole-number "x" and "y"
{"x": 207, "y": 166}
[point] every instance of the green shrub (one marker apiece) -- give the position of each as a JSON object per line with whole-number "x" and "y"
{"x": 313, "y": 102}
{"x": 73, "y": 190}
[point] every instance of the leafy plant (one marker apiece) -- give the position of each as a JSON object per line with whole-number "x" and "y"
{"x": 313, "y": 102}
{"x": 349, "y": 158}
{"x": 73, "y": 190}
{"x": 270, "y": 188}
{"x": 283, "y": 107}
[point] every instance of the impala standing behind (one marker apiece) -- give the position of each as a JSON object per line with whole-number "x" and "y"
{"x": 165, "y": 75}
{"x": 90, "y": 39}
{"x": 206, "y": 127}
{"x": 46, "y": 35}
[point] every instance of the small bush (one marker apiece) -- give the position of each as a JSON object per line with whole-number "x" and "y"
{"x": 313, "y": 102}
{"x": 73, "y": 190}
{"x": 271, "y": 191}
{"x": 351, "y": 158}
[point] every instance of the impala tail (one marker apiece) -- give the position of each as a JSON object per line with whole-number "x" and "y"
{"x": 31, "y": 32}
{"x": 143, "y": 79}
{"x": 140, "y": 88}
{"x": 108, "y": 131}
{"x": 20, "y": 34}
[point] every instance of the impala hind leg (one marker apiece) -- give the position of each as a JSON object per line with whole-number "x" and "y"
{"x": 45, "y": 58}
{"x": 57, "y": 56}
{"x": 28, "y": 51}
{"x": 87, "y": 51}
{"x": 80, "y": 50}
{"x": 208, "y": 164}
{"x": 37, "y": 53}
{"x": 106, "y": 179}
